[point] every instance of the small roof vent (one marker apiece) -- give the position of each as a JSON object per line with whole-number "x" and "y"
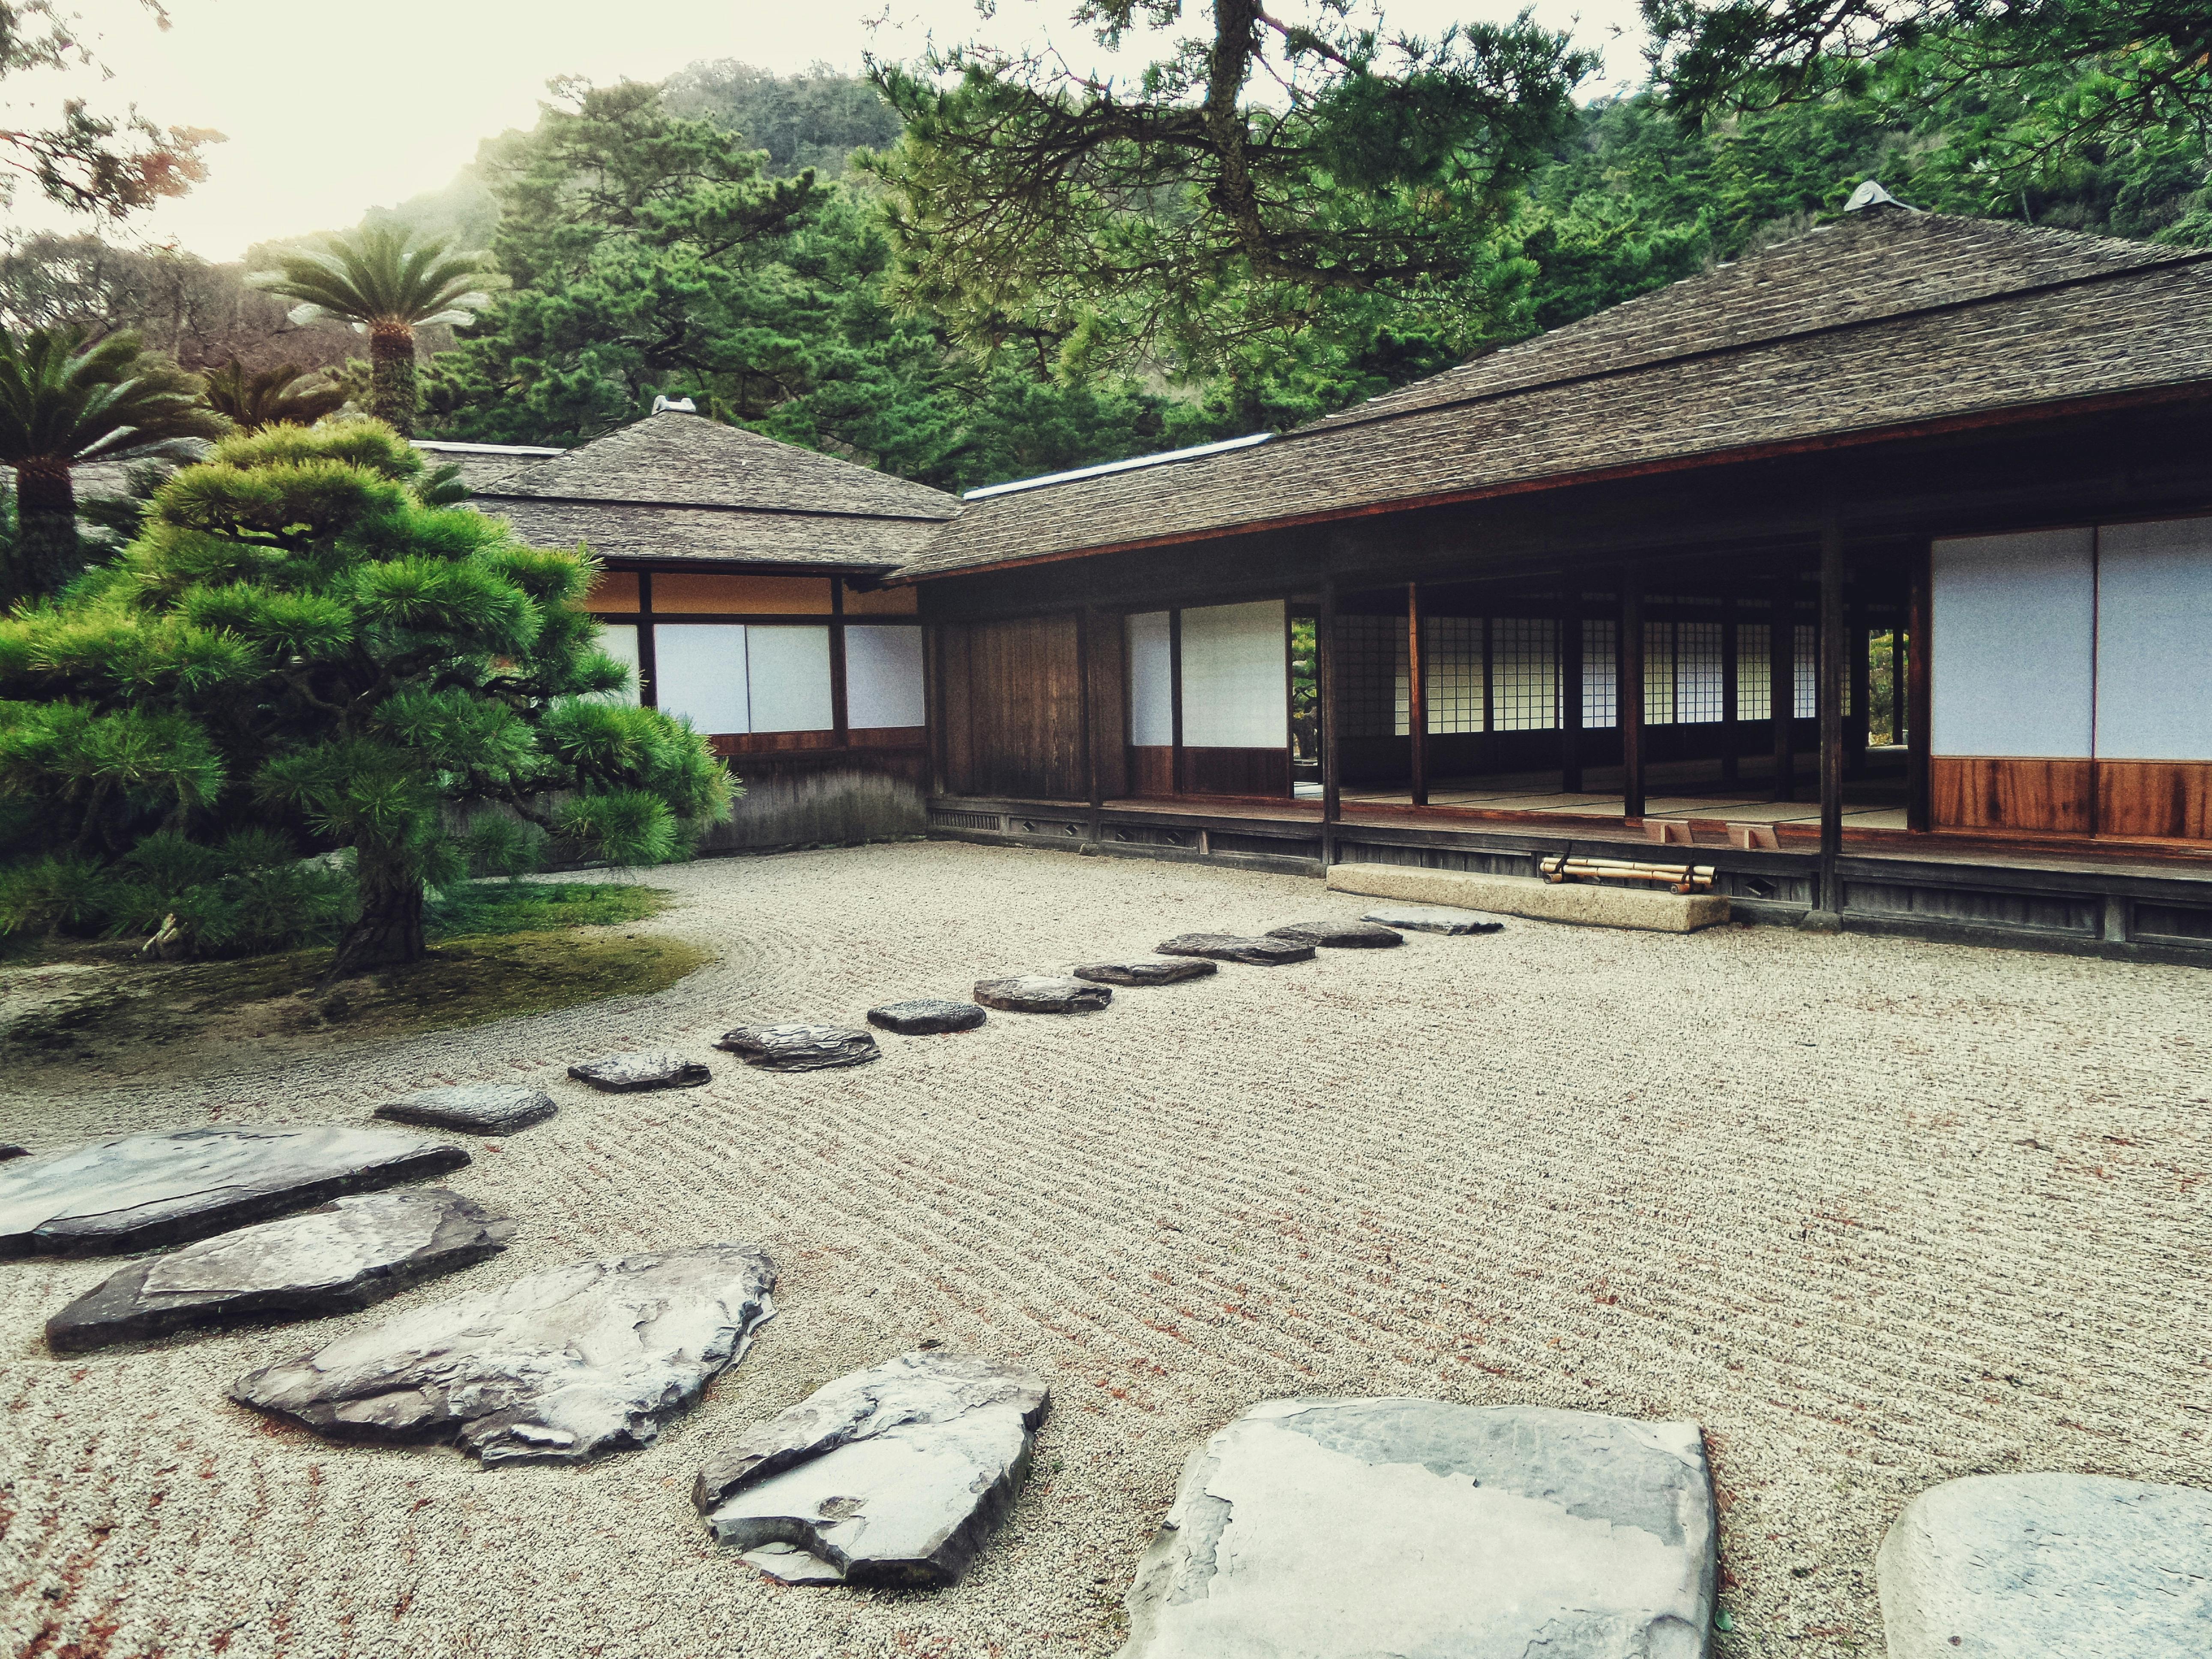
{"x": 674, "y": 406}
{"x": 1870, "y": 194}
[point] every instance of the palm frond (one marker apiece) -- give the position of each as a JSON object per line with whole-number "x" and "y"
{"x": 382, "y": 277}
{"x": 67, "y": 400}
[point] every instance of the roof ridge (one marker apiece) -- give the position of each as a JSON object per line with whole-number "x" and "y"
{"x": 721, "y": 506}
{"x": 1349, "y": 419}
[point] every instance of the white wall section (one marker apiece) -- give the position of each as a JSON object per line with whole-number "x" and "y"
{"x": 883, "y": 677}
{"x": 1151, "y": 690}
{"x": 2011, "y": 652}
{"x": 1236, "y": 676}
{"x": 701, "y": 668}
{"x": 2154, "y": 641}
{"x": 787, "y": 670}
{"x": 619, "y": 640}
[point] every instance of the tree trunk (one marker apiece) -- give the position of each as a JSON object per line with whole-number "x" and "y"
{"x": 389, "y": 929}
{"x": 392, "y": 395}
{"x": 45, "y": 506}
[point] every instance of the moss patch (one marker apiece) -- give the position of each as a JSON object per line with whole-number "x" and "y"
{"x": 83, "y": 1009}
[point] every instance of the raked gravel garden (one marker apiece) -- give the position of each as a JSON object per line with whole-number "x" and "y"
{"x": 1875, "y": 1214}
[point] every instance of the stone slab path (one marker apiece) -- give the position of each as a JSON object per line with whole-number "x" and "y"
{"x": 800, "y": 1047}
{"x": 487, "y": 1108}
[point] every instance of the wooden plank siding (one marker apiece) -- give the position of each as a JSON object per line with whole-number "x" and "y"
{"x": 1109, "y": 705}
{"x": 1013, "y": 717}
{"x": 2053, "y": 797}
{"x": 2158, "y": 800}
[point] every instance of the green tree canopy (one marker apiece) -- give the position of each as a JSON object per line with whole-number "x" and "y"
{"x": 298, "y": 656}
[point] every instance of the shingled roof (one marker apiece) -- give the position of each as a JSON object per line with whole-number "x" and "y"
{"x": 1889, "y": 319}
{"x": 675, "y": 487}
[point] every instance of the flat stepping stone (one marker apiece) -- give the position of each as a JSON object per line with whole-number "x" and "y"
{"x": 8, "y": 1150}
{"x": 1146, "y": 970}
{"x": 624, "y": 1073}
{"x": 892, "y": 1476}
{"x": 1433, "y": 918}
{"x": 1339, "y": 935}
{"x": 927, "y": 1017}
{"x": 1229, "y": 947}
{"x": 800, "y": 1047}
{"x": 1321, "y": 1527}
{"x": 340, "y": 1258}
{"x": 165, "y": 1187}
{"x": 1043, "y": 993}
{"x": 490, "y": 1109}
{"x": 1998, "y": 1566}
{"x": 562, "y": 1366}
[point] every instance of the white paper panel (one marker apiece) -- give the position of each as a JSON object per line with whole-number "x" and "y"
{"x": 2011, "y": 652}
{"x": 788, "y": 669}
{"x": 701, "y": 674}
{"x": 2153, "y": 632}
{"x": 1236, "y": 676}
{"x": 1151, "y": 692}
{"x": 619, "y": 640}
{"x": 883, "y": 677}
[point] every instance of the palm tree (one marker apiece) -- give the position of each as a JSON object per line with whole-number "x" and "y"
{"x": 64, "y": 401}
{"x": 285, "y": 395}
{"x": 386, "y": 288}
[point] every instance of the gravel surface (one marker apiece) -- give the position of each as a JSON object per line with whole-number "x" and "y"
{"x": 1876, "y": 1213}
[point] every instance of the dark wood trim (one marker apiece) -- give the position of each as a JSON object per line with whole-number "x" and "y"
{"x": 1630, "y": 697}
{"x": 932, "y": 701}
{"x": 757, "y": 618}
{"x": 1083, "y": 721}
{"x": 1417, "y": 697}
{"x": 1174, "y": 697}
{"x": 648, "y": 660}
{"x": 1782, "y": 681}
{"x": 1331, "y": 798}
{"x": 1919, "y": 646}
{"x": 1571, "y": 690}
{"x": 837, "y": 704}
{"x": 1731, "y": 707}
{"x": 1829, "y": 682}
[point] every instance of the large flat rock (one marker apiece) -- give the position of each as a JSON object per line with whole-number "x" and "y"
{"x": 339, "y": 1259}
{"x": 1042, "y": 993}
{"x": 1339, "y": 935}
{"x": 1325, "y": 1528}
{"x": 1146, "y": 970}
{"x": 800, "y": 1047}
{"x": 168, "y": 1186}
{"x": 487, "y": 1108}
{"x": 927, "y": 1016}
{"x": 2038, "y": 1566}
{"x": 892, "y": 1476}
{"x": 627, "y": 1073}
{"x": 562, "y": 1366}
{"x": 1589, "y": 904}
{"x": 1231, "y": 947}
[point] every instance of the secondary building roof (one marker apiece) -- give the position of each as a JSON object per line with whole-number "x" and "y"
{"x": 679, "y": 488}
{"x": 1887, "y": 322}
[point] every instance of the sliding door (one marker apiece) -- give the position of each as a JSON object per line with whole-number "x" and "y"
{"x": 2153, "y": 738}
{"x": 1209, "y": 693}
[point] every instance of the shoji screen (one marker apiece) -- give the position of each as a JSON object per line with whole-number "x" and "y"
{"x": 1151, "y": 684}
{"x": 883, "y": 678}
{"x": 701, "y": 674}
{"x": 2012, "y": 658}
{"x": 787, "y": 675}
{"x": 2154, "y": 679}
{"x": 619, "y": 640}
{"x": 1236, "y": 676}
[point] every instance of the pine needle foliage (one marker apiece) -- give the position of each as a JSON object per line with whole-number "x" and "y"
{"x": 303, "y": 695}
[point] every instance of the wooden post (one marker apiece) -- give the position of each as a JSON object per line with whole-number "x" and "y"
{"x": 840, "y": 731}
{"x": 1630, "y": 697}
{"x": 1086, "y": 725}
{"x": 932, "y": 701}
{"x": 1175, "y": 781}
{"x": 1830, "y": 699}
{"x": 1325, "y": 670}
{"x": 1417, "y": 698}
{"x": 1730, "y": 713}
{"x": 1919, "y": 646}
{"x": 1782, "y": 682}
{"x": 1571, "y": 690}
{"x": 648, "y": 661}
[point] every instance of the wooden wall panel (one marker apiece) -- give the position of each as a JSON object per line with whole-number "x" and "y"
{"x": 888, "y": 737}
{"x": 2168, "y": 800}
{"x": 1014, "y": 723}
{"x": 1151, "y": 771}
{"x": 1109, "y": 703}
{"x": 1979, "y": 793}
{"x": 1237, "y": 771}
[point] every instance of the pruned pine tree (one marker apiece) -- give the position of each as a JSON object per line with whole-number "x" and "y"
{"x": 386, "y": 286}
{"x": 64, "y": 401}
{"x": 298, "y": 656}
{"x": 285, "y": 395}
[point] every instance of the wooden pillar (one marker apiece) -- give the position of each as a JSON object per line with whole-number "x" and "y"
{"x": 840, "y": 731}
{"x": 1571, "y": 690}
{"x": 1919, "y": 645}
{"x": 1086, "y": 725}
{"x": 1176, "y": 783}
{"x": 1417, "y": 698}
{"x": 1630, "y": 695}
{"x": 1860, "y": 642}
{"x": 932, "y": 701}
{"x": 648, "y": 662}
{"x": 1325, "y": 670}
{"x": 1830, "y": 700}
{"x": 1782, "y": 682}
{"x": 1730, "y": 714}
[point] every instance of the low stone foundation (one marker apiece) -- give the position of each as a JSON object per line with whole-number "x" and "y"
{"x": 1587, "y": 905}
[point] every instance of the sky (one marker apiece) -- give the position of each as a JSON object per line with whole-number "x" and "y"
{"x": 329, "y": 109}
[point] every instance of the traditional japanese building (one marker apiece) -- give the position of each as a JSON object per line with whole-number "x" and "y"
{"x": 1627, "y": 575}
